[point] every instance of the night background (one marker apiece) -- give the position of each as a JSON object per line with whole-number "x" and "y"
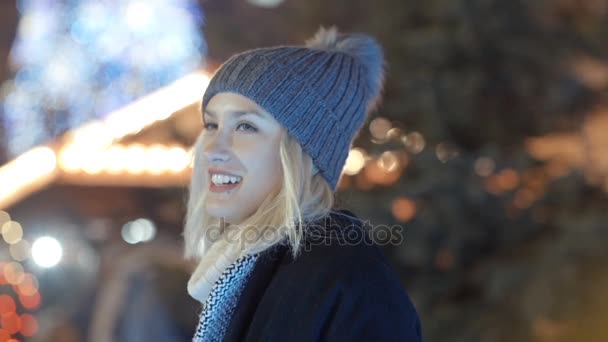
{"x": 490, "y": 150}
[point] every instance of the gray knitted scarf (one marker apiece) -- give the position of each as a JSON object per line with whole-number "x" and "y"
{"x": 221, "y": 302}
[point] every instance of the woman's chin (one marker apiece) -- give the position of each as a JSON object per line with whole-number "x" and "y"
{"x": 229, "y": 215}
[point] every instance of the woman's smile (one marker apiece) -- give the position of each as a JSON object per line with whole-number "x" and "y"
{"x": 221, "y": 181}
{"x": 240, "y": 143}
{"x": 220, "y": 187}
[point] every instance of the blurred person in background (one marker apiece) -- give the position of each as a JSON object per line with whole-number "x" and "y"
{"x": 277, "y": 260}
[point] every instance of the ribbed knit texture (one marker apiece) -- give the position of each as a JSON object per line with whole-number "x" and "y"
{"x": 222, "y": 300}
{"x": 321, "y": 96}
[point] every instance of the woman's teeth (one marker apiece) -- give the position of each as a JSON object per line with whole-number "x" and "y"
{"x": 218, "y": 179}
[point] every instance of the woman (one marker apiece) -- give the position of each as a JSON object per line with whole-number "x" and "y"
{"x": 276, "y": 261}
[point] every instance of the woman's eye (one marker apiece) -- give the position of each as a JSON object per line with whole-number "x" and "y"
{"x": 246, "y": 127}
{"x": 210, "y": 126}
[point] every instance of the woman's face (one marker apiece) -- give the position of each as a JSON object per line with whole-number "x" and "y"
{"x": 240, "y": 147}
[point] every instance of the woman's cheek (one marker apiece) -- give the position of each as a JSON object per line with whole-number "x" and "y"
{"x": 254, "y": 143}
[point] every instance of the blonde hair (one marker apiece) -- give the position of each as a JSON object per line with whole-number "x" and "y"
{"x": 302, "y": 197}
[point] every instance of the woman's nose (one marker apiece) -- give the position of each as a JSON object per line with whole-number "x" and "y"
{"x": 216, "y": 156}
{"x": 217, "y": 150}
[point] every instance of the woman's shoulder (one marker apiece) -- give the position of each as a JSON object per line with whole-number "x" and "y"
{"x": 343, "y": 270}
{"x": 340, "y": 242}
{"x": 340, "y": 247}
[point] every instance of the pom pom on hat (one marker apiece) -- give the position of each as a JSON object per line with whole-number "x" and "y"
{"x": 363, "y": 48}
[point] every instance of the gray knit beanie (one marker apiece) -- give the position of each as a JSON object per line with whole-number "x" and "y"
{"x": 321, "y": 92}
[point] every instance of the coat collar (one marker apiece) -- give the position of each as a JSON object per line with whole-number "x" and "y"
{"x": 266, "y": 268}
{"x": 266, "y": 265}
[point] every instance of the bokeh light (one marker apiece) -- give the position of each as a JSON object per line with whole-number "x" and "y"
{"x": 20, "y": 250}
{"x": 394, "y": 133}
{"x": 29, "y": 325}
{"x": 4, "y": 217}
{"x": 13, "y": 273}
{"x": 46, "y": 251}
{"x": 136, "y": 156}
{"x": 446, "y": 151}
{"x": 28, "y": 286}
{"x": 414, "y": 142}
{"x": 379, "y": 128}
{"x": 403, "y": 209}
{"x": 484, "y": 166}
{"x": 3, "y": 280}
{"x": 112, "y": 52}
{"x": 177, "y": 159}
{"x": 33, "y": 166}
{"x": 134, "y": 159}
{"x": 389, "y": 161}
{"x": 383, "y": 171}
{"x": 7, "y": 304}
{"x": 155, "y": 162}
{"x": 11, "y": 322}
{"x": 355, "y": 161}
{"x": 12, "y": 232}
{"x": 4, "y": 335}
{"x": 140, "y": 230}
{"x": 30, "y": 302}
{"x": 508, "y": 179}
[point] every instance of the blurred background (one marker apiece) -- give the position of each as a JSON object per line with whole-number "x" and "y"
{"x": 490, "y": 150}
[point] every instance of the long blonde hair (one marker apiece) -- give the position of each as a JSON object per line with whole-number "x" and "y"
{"x": 303, "y": 197}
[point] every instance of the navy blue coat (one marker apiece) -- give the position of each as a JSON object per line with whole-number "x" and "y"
{"x": 336, "y": 290}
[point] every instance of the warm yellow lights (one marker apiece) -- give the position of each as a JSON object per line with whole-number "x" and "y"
{"x": 92, "y": 148}
{"x": 20, "y": 250}
{"x": 157, "y": 106}
{"x": 379, "y": 128}
{"x": 385, "y": 170}
{"x": 12, "y": 232}
{"x": 414, "y": 142}
{"x": 35, "y": 165}
{"x": 446, "y": 151}
{"x": 155, "y": 159}
{"x": 403, "y": 209}
{"x": 355, "y": 161}
{"x": 178, "y": 159}
{"x": 28, "y": 285}
{"x": 505, "y": 180}
{"x": 389, "y": 161}
{"x": 132, "y": 159}
{"x": 13, "y": 273}
{"x": 93, "y": 135}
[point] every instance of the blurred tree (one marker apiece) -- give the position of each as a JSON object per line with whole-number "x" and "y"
{"x": 502, "y": 247}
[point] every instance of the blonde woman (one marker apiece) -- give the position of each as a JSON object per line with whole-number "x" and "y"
{"x": 276, "y": 260}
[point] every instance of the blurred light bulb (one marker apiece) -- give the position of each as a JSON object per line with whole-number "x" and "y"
{"x": 354, "y": 162}
{"x": 140, "y": 230}
{"x": 12, "y": 232}
{"x": 379, "y": 128}
{"x": 20, "y": 250}
{"x": 47, "y": 251}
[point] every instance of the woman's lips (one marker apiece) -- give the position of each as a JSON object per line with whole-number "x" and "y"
{"x": 223, "y": 188}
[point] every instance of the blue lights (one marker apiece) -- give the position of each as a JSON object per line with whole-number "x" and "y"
{"x": 76, "y": 60}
